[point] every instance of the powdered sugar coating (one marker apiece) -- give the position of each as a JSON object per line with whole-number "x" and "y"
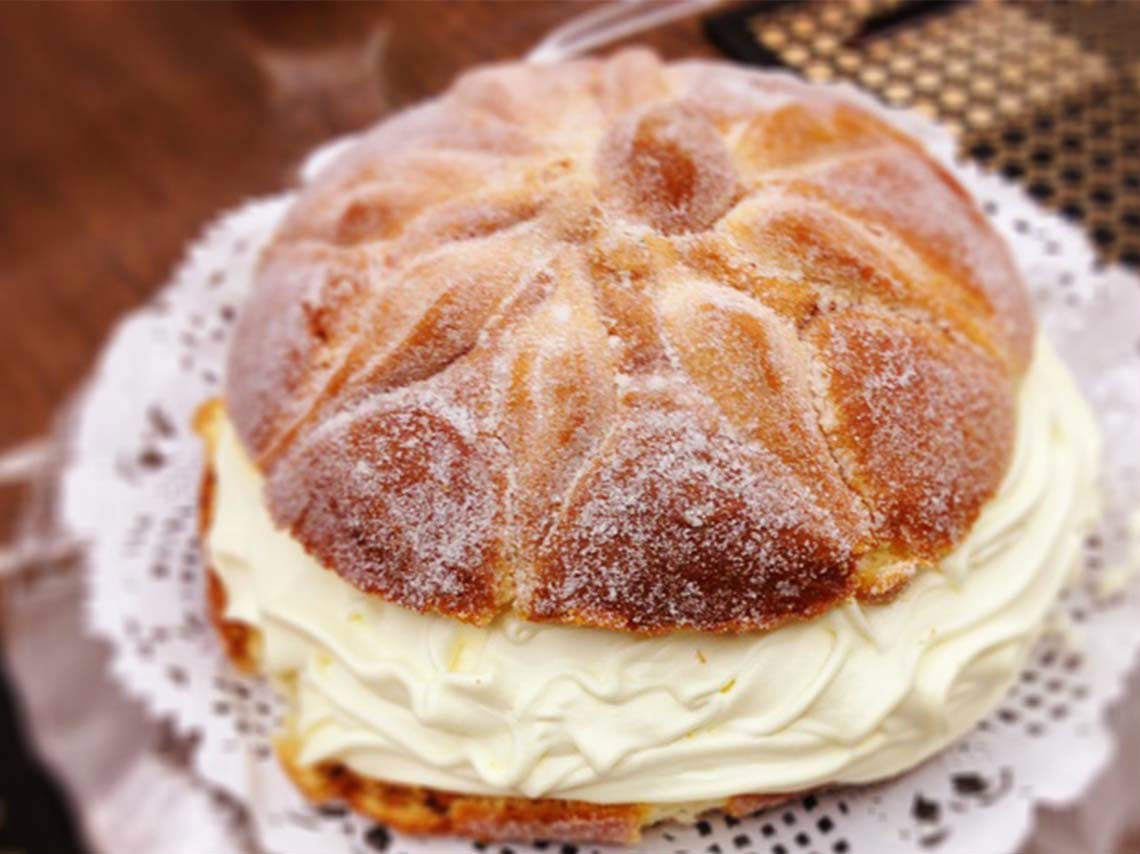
{"x": 925, "y": 209}
{"x": 918, "y": 420}
{"x": 667, "y": 166}
{"x": 699, "y": 528}
{"x": 403, "y": 498}
{"x": 632, "y": 345}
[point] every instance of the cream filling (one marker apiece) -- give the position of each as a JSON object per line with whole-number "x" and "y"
{"x": 858, "y": 694}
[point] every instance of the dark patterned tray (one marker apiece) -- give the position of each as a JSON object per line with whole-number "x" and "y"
{"x": 1047, "y": 93}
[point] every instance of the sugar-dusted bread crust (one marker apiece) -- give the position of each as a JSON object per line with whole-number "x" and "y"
{"x": 632, "y": 345}
{"x": 424, "y": 810}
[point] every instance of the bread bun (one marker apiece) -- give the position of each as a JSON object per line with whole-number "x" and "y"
{"x": 633, "y": 345}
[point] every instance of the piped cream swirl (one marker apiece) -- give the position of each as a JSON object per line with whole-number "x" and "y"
{"x": 516, "y": 708}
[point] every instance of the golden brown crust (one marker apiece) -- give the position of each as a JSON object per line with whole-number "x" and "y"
{"x": 420, "y": 810}
{"x": 584, "y": 341}
{"x": 921, "y": 424}
{"x": 425, "y": 811}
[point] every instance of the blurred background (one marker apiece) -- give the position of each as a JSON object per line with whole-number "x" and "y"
{"x": 128, "y": 127}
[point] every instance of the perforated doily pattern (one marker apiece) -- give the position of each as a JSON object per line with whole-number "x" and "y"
{"x": 131, "y": 488}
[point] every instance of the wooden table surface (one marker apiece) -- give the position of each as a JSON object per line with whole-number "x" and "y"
{"x": 128, "y": 127}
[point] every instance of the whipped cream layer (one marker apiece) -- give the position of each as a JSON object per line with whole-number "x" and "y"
{"x": 517, "y": 708}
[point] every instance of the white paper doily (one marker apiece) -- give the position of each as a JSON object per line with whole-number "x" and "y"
{"x": 131, "y": 489}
